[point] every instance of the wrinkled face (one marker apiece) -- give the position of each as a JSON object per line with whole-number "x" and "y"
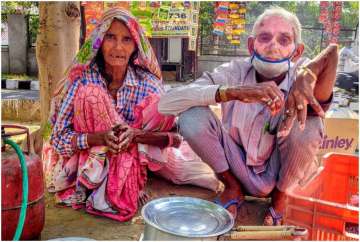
{"x": 274, "y": 39}
{"x": 117, "y": 45}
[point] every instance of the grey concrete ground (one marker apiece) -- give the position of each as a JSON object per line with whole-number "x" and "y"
{"x": 24, "y": 105}
{"x": 20, "y": 94}
{"x": 35, "y": 95}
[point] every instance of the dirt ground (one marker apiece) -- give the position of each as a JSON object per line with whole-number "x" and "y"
{"x": 63, "y": 222}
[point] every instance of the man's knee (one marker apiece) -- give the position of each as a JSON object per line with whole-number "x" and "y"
{"x": 298, "y": 154}
{"x": 306, "y": 141}
{"x": 194, "y": 121}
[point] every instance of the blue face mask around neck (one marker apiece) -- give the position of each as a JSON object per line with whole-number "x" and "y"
{"x": 271, "y": 68}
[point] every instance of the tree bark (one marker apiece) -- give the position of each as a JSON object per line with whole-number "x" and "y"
{"x": 56, "y": 45}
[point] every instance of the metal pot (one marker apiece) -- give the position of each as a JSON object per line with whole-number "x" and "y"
{"x": 184, "y": 218}
{"x": 155, "y": 234}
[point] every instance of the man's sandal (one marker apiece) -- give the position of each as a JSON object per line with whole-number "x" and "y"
{"x": 277, "y": 218}
{"x": 229, "y": 203}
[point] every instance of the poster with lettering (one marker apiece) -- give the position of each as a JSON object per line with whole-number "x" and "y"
{"x": 172, "y": 19}
{"x": 159, "y": 19}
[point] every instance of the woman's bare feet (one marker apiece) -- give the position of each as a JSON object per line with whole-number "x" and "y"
{"x": 144, "y": 197}
{"x": 231, "y": 192}
{"x": 278, "y": 202}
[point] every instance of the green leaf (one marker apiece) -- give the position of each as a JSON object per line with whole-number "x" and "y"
{"x": 46, "y": 131}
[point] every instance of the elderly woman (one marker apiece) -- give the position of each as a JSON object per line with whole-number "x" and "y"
{"x": 105, "y": 124}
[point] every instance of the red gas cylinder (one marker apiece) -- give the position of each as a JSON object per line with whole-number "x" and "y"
{"x": 11, "y": 193}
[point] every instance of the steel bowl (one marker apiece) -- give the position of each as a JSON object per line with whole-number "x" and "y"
{"x": 185, "y": 218}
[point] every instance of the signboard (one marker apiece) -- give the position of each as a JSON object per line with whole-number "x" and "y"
{"x": 341, "y": 133}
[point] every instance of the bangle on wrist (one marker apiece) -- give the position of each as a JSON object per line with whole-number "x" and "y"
{"x": 137, "y": 135}
{"x": 222, "y": 93}
{"x": 307, "y": 70}
{"x": 170, "y": 139}
{"x": 82, "y": 141}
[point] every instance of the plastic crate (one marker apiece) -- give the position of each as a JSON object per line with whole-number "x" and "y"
{"x": 323, "y": 206}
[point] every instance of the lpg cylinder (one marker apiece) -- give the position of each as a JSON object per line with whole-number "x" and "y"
{"x": 11, "y": 193}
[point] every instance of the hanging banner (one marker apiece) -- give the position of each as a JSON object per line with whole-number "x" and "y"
{"x": 192, "y": 44}
{"x": 221, "y": 18}
{"x": 194, "y": 29}
{"x": 230, "y": 20}
{"x": 330, "y": 14}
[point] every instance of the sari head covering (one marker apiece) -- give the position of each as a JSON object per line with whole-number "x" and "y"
{"x": 144, "y": 59}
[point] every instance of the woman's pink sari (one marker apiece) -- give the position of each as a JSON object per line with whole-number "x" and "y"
{"x": 114, "y": 180}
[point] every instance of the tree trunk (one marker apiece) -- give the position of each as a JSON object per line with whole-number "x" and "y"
{"x": 56, "y": 46}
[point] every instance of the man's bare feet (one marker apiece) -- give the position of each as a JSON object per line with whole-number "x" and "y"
{"x": 278, "y": 202}
{"x": 231, "y": 192}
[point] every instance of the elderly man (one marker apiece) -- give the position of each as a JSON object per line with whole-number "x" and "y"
{"x": 272, "y": 105}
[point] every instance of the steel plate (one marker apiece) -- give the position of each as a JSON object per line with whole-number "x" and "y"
{"x": 187, "y": 216}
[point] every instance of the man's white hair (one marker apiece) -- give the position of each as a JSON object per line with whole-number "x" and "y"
{"x": 288, "y": 16}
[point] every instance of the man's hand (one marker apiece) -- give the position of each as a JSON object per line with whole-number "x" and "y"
{"x": 300, "y": 95}
{"x": 267, "y": 93}
{"x": 307, "y": 90}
